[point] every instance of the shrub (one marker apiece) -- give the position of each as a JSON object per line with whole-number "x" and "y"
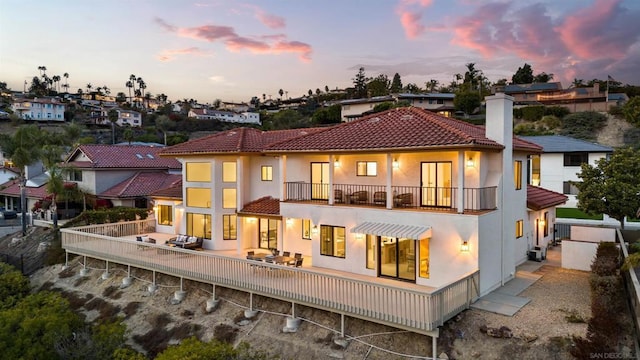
{"x": 551, "y": 122}
{"x": 13, "y": 286}
{"x": 557, "y": 111}
{"x": 583, "y": 125}
{"x": 533, "y": 113}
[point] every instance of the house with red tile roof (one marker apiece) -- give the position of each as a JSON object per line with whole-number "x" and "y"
{"x": 124, "y": 174}
{"x": 402, "y": 217}
{"x": 405, "y": 194}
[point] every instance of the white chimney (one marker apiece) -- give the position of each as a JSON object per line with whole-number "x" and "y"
{"x": 499, "y": 123}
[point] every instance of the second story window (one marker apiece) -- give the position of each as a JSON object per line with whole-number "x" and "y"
{"x": 229, "y": 171}
{"x": 366, "y": 168}
{"x": 198, "y": 171}
{"x": 266, "y": 173}
{"x": 199, "y": 197}
{"x": 75, "y": 175}
{"x": 229, "y": 198}
{"x": 576, "y": 159}
{"x": 517, "y": 174}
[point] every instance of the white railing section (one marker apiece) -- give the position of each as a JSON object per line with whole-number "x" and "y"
{"x": 395, "y": 306}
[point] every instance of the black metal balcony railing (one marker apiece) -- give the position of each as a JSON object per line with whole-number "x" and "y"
{"x": 415, "y": 197}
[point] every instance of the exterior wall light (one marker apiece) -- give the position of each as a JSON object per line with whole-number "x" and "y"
{"x": 336, "y": 163}
{"x": 251, "y": 220}
{"x": 470, "y": 162}
{"x": 395, "y": 164}
{"x": 314, "y": 230}
{"x": 289, "y": 221}
{"x": 464, "y": 247}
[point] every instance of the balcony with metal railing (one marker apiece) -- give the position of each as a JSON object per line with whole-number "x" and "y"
{"x": 402, "y": 197}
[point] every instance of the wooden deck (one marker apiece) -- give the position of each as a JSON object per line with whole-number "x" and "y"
{"x": 407, "y": 306}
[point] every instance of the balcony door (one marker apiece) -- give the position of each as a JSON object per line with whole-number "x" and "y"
{"x": 397, "y": 258}
{"x": 320, "y": 180}
{"x": 435, "y": 184}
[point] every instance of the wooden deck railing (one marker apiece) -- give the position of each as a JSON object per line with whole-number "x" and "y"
{"x": 395, "y": 306}
{"x": 415, "y": 197}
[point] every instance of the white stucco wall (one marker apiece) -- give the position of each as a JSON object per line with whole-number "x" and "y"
{"x": 591, "y": 233}
{"x": 447, "y": 262}
{"x": 578, "y": 255}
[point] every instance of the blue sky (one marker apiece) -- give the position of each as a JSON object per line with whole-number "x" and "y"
{"x": 232, "y": 50}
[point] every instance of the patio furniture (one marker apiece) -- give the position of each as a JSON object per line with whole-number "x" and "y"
{"x": 286, "y": 253}
{"x": 380, "y": 197}
{"x": 187, "y": 242}
{"x": 359, "y": 197}
{"x": 296, "y": 257}
{"x": 298, "y": 262}
{"x": 338, "y": 196}
{"x": 403, "y": 200}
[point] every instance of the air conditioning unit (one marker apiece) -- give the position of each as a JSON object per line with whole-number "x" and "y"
{"x": 535, "y": 255}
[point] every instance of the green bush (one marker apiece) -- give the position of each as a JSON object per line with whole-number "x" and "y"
{"x": 551, "y": 122}
{"x": 605, "y": 327}
{"x": 517, "y": 113}
{"x": 583, "y": 125}
{"x": 13, "y": 286}
{"x": 104, "y": 216}
{"x": 31, "y": 329}
{"x": 195, "y": 349}
{"x": 533, "y": 113}
{"x": 557, "y": 111}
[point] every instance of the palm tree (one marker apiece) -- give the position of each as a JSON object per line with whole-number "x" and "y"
{"x": 113, "y": 117}
{"x": 89, "y": 86}
{"x": 56, "y": 80}
{"x": 281, "y": 92}
{"x": 23, "y": 149}
{"x": 51, "y": 156}
{"x": 66, "y": 80}
{"x": 129, "y": 85}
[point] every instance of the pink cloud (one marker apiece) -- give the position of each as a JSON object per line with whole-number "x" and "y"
{"x": 268, "y": 44}
{"x": 410, "y": 14}
{"x": 597, "y": 32}
{"x": 566, "y": 45}
{"x": 269, "y": 20}
{"x": 168, "y": 55}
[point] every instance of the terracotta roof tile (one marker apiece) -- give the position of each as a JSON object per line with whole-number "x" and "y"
{"x": 239, "y": 140}
{"x": 263, "y": 206}
{"x": 540, "y": 198}
{"x": 141, "y": 184}
{"x": 121, "y": 156}
{"x": 12, "y": 188}
{"x": 173, "y": 191}
{"x": 400, "y": 128}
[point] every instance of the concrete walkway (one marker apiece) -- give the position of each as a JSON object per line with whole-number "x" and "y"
{"x": 505, "y": 300}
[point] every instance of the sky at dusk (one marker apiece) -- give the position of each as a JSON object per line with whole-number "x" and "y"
{"x": 233, "y": 50}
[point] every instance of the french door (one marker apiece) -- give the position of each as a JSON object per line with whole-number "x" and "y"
{"x": 397, "y": 258}
{"x": 319, "y": 180}
{"x": 435, "y": 184}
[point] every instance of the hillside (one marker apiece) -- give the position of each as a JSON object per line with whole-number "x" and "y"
{"x": 154, "y": 321}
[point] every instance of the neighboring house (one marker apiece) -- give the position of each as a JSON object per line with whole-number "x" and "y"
{"x": 441, "y": 103}
{"x": 125, "y": 117}
{"x": 226, "y": 116}
{"x": 347, "y": 195}
{"x": 552, "y": 94}
{"x": 136, "y": 190}
{"x": 355, "y": 108}
{"x": 112, "y": 169}
{"x": 559, "y": 164}
{"x": 39, "y": 109}
{"x": 35, "y": 187}
{"x": 234, "y": 107}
